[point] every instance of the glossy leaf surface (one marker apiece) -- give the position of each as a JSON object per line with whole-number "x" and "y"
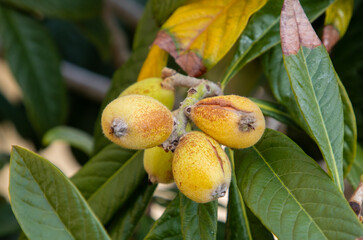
{"x": 109, "y": 179}
{"x": 168, "y": 226}
{"x": 75, "y": 137}
{"x": 69, "y": 9}
{"x": 291, "y": 194}
{"x": 274, "y": 69}
{"x": 262, "y": 32}
{"x": 34, "y": 61}
{"x": 315, "y": 86}
{"x": 200, "y": 33}
{"x": 198, "y": 220}
{"x": 45, "y": 202}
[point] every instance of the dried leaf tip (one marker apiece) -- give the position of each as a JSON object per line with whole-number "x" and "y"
{"x": 330, "y": 37}
{"x": 295, "y": 28}
{"x": 189, "y": 61}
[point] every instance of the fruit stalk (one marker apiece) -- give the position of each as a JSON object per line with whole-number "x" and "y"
{"x": 199, "y": 89}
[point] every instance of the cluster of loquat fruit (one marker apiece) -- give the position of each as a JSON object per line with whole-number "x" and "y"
{"x": 141, "y": 118}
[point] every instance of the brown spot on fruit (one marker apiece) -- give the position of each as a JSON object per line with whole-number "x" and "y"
{"x": 232, "y": 120}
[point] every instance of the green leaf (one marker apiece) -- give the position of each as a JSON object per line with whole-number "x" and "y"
{"x": 275, "y": 71}
{"x": 357, "y": 168}
{"x": 75, "y": 137}
{"x": 237, "y": 226}
{"x": 291, "y": 194}
{"x": 162, "y": 9}
{"x": 127, "y": 74}
{"x": 109, "y": 179}
{"x": 198, "y": 220}
{"x": 168, "y": 226}
{"x": 123, "y": 223}
{"x": 276, "y": 111}
{"x": 315, "y": 86}
{"x": 46, "y": 203}
{"x": 68, "y": 9}
{"x": 34, "y": 62}
{"x": 8, "y": 223}
{"x": 262, "y": 33}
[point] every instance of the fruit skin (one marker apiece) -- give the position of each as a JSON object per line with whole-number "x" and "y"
{"x": 157, "y": 163}
{"x": 201, "y": 168}
{"x": 152, "y": 87}
{"x": 136, "y": 122}
{"x": 232, "y": 120}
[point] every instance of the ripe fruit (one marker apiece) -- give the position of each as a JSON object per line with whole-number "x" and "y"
{"x": 152, "y": 87}
{"x": 136, "y": 122}
{"x": 201, "y": 168}
{"x": 157, "y": 164}
{"x": 233, "y": 121}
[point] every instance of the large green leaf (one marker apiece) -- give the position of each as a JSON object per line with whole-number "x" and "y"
{"x": 46, "y": 203}
{"x": 237, "y": 226}
{"x": 70, "y": 9}
{"x": 123, "y": 223}
{"x": 291, "y": 194}
{"x": 315, "y": 86}
{"x": 275, "y": 71}
{"x": 198, "y": 220}
{"x": 357, "y": 168}
{"x": 75, "y": 137}
{"x": 262, "y": 32}
{"x": 168, "y": 226}
{"x": 109, "y": 179}
{"x": 127, "y": 74}
{"x": 34, "y": 62}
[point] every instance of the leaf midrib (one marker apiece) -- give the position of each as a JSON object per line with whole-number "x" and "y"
{"x": 336, "y": 173}
{"x": 45, "y": 196}
{"x": 289, "y": 192}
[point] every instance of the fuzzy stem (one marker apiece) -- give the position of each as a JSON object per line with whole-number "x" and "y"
{"x": 199, "y": 89}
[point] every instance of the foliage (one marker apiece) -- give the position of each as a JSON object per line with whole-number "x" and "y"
{"x": 278, "y": 186}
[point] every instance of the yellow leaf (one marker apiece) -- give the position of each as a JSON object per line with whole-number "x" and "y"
{"x": 339, "y": 14}
{"x": 337, "y": 20}
{"x": 201, "y": 32}
{"x": 156, "y": 60}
